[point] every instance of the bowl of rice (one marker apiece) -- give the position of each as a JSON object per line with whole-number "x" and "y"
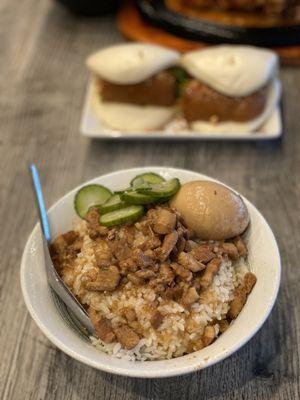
{"x": 143, "y": 329}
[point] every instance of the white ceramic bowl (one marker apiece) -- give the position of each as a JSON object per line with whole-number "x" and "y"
{"x": 263, "y": 258}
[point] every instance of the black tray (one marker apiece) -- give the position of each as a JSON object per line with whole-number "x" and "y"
{"x": 156, "y": 12}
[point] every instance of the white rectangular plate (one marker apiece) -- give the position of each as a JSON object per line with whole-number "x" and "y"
{"x": 91, "y": 126}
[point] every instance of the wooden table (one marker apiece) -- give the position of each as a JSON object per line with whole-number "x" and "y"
{"x": 42, "y": 86}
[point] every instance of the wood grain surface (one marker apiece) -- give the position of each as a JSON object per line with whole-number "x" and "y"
{"x": 42, "y": 85}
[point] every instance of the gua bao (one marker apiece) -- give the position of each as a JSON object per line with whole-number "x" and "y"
{"x": 233, "y": 88}
{"x": 135, "y": 89}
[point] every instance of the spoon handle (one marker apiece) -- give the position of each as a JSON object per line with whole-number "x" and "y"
{"x": 40, "y": 200}
{"x": 53, "y": 278}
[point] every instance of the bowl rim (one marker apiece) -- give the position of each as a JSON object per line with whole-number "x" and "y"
{"x": 173, "y": 371}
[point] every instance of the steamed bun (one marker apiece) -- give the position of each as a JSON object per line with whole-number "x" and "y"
{"x": 131, "y": 63}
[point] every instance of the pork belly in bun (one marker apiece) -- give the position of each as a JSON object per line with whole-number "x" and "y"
{"x": 135, "y": 88}
{"x": 232, "y": 88}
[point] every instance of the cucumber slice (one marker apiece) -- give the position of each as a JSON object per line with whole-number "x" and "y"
{"x": 113, "y": 203}
{"x": 134, "y": 197}
{"x": 129, "y": 189}
{"x": 122, "y": 216}
{"x": 149, "y": 177}
{"x": 165, "y": 189}
{"x": 89, "y": 196}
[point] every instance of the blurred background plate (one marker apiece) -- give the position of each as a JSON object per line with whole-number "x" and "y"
{"x": 279, "y": 33}
{"x": 92, "y": 127}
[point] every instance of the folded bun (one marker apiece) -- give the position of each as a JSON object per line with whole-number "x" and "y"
{"x": 130, "y": 117}
{"x": 211, "y": 210}
{"x": 273, "y": 96}
{"x": 232, "y": 70}
{"x": 131, "y": 63}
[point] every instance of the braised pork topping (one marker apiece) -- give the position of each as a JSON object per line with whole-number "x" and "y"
{"x": 156, "y": 319}
{"x": 240, "y": 296}
{"x": 105, "y": 279}
{"x": 157, "y": 251}
{"x": 127, "y": 337}
{"x": 102, "y": 326}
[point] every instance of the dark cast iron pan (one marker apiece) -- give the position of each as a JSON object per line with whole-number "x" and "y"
{"x": 156, "y": 12}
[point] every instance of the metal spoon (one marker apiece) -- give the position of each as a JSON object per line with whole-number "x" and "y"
{"x": 53, "y": 278}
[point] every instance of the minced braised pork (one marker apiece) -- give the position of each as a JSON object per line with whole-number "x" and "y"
{"x": 105, "y": 279}
{"x": 210, "y": 271}
{"x": 190, "y": 297}
{"x": 164, "y": 221}
{"x": 158, "y": 252}
{"x": 102, "y": 326}
{"x": 189, "y": 262}
{"x": 241, "y": 294}
{"x": 156, "y": 319}
{"x": 168, "y": 245}
{"x": 129, "y": 314}
{"x": 127, "y": 337}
